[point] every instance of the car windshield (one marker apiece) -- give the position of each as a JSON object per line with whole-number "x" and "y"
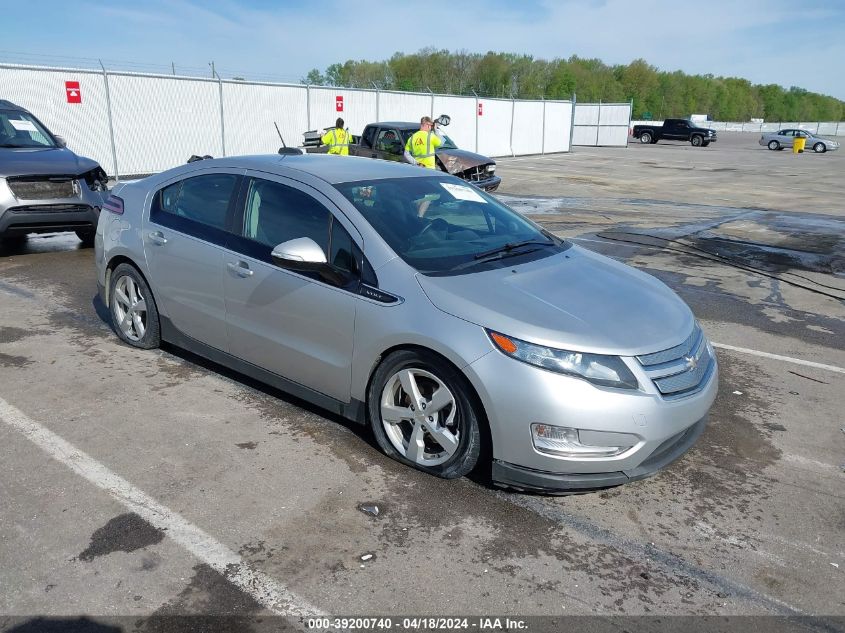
{"x": 448, "y": 143}
{"x": 20, "y": 129}
{"x": 440, "y": 225}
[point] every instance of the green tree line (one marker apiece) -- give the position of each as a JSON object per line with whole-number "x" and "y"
{"x": 659, "y": 93}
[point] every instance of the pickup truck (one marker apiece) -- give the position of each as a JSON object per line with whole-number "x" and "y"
{"x": 387, "y": 140}
{"x": 675, "y": 130}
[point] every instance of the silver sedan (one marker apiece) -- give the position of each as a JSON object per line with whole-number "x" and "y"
{"x": 463, "y": 334}
{"x": 786, "y": 138}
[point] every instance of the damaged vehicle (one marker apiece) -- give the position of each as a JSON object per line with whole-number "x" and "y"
{"x": 387, "y": 142}
{"x": 44, "y": 186}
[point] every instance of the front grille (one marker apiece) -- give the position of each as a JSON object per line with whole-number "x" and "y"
{"x": 682, "y": 369}
{"x": 475, "y": 174}
{"x": 43, "y": 188}
{"x": 51, "y": 208}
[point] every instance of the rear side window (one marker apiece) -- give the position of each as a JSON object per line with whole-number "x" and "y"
{"x": 197, "y": 206}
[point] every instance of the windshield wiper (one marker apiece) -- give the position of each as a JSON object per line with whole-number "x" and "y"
{"x": 14, "y": 145}
{"x": 501, "y": 252}
{"x": 510, "y": 246}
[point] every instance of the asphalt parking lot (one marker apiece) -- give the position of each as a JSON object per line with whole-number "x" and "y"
{"x": 101, "y": 445}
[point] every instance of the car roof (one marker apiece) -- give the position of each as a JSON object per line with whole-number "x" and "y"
{"x": 8, "y": 105}
{"x": 402, "y": 125}
{"x": 332, "y": 169}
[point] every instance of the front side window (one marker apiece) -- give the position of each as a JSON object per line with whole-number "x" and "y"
{"x": 276, "y": 213}
{"x": 441, "y": 225}
{"x": 20, "y": 129}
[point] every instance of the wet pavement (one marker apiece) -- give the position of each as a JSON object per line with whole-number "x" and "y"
{"x": 751, "y": 521}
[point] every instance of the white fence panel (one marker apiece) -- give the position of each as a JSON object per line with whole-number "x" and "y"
{"x": 598, "y": 124}
{"x": 830, "y": 128}
{"x": 462, "y": 111}
{"x": 84, "y": 125}
{"x": 494, "y": 126}
{"x": 250, "y": 111}
{"x": 615, "y": 114}
{"x": 399, "y": 106}
{"x": 612, "y": 136}
{"x": 586, "y": 114}
{"x": 159, "y": 122}
{"x": 359, "y": 108}
{"x": 558, "y": 126}
{"x": 527, "y": 128}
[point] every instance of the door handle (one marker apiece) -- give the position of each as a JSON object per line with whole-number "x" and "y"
{"x": 241, "y": 269}
{"x": 157, "y": 237}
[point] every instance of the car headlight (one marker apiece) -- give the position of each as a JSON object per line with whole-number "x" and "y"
{"x": 491, "y": 169}
{"x": 599, "y": 369}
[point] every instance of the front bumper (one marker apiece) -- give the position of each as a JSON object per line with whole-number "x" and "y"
{"x": 516, "y": 394}
{"x": 19, "y": 216}
{"x": 530, "y": 480}
{"x": 488, "y": 184}
{"x": 46, "y": 218}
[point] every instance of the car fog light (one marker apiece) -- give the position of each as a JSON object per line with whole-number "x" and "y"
{"x": 563, "y": 441}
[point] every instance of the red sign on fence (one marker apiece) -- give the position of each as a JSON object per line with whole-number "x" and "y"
{"x": 74, "y": 94}
{"x": 480, "y": 111}
{"x": 338, "y": 103}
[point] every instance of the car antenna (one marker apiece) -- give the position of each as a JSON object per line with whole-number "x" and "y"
{"x": 284, "y": 149}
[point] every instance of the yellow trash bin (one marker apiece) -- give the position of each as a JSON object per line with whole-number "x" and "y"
{"x": 798, "y": 145}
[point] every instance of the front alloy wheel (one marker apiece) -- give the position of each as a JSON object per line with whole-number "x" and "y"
{"x": 422, "y": 414}
{"x": 418, "y": 415}
{"x": 819, "y": 148}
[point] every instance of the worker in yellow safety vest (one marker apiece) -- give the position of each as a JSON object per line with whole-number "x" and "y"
{"x": 420, "y": 148}
{"x": 337, "y": 139}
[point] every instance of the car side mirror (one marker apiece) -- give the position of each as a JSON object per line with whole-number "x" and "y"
{"x": 301, "y": 253}
{"x": 60, "y": 140}
{"x": 396, "y": 147}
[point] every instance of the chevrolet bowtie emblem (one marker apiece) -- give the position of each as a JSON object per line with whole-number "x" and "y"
{"x": 692, "y": 362}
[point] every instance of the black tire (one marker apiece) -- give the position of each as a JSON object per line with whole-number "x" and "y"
{"x": 87, "y": 238}
{"x": 773, "y": 145}
{"x": 705, "y": 144}
{"x": 12, "y": 241}
{"x": 151, "y": 336}
{"x": 646, "y": 138}
{"x": 696, "y": 140}
{"x": 819, "y": 148}
{"x": 466, "y": 417}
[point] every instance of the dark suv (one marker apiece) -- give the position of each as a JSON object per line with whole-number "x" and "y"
{"x": 44, "y": 186}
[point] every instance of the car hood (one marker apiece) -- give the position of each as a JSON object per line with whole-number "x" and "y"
{"x": 575, "y": 300}
{"x": 45, "y": 161}
{"x": 458, "y": 160}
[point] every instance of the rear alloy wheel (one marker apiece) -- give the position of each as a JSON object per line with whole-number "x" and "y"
{"x": 645, "y": 138}
{"x": 133, "y": 310}
{"x": 422, "y": 414}
{"x": 696, "y": 141}
{"x": 819, "y": 148}
{"x": 87, "y": 238}
{"x": 773, "y": 145}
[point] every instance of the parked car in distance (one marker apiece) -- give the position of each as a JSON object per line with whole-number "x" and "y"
{"x": 44, "y": 186}
{"x": 405, "y": 299}
{"x": 786, "y": 138}
{"x": 675, "y": 130}
{"x": 387, "y": 140}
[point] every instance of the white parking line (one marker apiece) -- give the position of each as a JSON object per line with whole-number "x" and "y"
{"x": 786, "y": 359}
{"x": 261, "y": 587}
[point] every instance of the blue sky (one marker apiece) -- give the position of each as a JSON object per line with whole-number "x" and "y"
{"x": 787, "y": 42}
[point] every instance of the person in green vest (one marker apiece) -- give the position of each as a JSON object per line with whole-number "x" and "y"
{"x": 337, "y": 139}
{"x": 420, "y": 148}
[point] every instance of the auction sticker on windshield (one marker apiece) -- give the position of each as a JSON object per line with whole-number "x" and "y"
{"x": 462, "y": 192}
{"x": 23, "y": 126}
